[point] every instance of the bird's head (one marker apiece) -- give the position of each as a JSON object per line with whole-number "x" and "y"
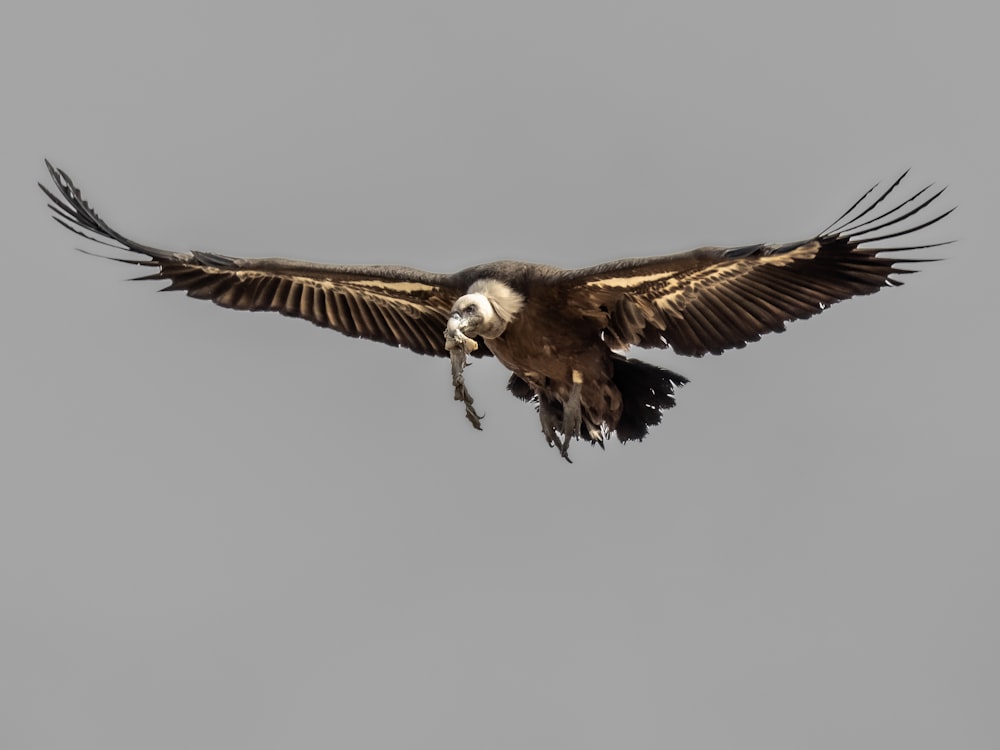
{"x": 473, "y": 315}
{"x": 485, "y": 310}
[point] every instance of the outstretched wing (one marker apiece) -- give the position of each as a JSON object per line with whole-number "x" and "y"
{"x": 713, "y": 299}
{"x": 392, "y": 304}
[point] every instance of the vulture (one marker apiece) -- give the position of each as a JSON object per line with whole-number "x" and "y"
{"x": 562, "y": 333}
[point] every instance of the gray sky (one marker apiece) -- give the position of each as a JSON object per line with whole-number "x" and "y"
{"x": 220, "y": 529}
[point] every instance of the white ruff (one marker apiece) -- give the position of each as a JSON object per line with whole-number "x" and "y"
{"x": 505, "y": 301}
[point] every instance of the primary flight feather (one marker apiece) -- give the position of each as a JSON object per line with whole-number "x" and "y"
{"x": 560, "y": 332}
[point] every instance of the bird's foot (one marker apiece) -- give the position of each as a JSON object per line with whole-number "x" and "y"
{"x": 572, "y": 415}
{"x": 549, "y": 417}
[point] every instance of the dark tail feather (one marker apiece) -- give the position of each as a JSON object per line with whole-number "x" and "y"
{"x": 646, "y": 391}
{"x": 520, "y": 388}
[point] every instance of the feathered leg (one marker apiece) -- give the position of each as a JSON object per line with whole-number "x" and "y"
{"x": 551, "y": 418}
{"x": 572, "y": 414}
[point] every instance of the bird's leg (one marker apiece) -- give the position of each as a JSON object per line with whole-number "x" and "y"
{"x": 458, "y": 346}
{"x": 572, "y": 414}
{"x": 549, "y": 417}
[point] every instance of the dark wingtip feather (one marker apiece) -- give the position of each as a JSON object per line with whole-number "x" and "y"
{"x": 69, "y": 207}
{"x": 71, "y": 210}
{"x": 129, "y": 261}
{"x": 830, "y": 227}
{"x": 858, "y": 227}
{"x": 850, "y": 218}
{"x": 907, "y": 230}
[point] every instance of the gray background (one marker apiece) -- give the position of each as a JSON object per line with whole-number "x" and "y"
{"x": 220, "y": 529}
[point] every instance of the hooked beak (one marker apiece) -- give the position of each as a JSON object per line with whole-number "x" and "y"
{"x": 454, "y": 335}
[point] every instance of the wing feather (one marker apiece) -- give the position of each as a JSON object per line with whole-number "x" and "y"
{"x": 712, "y": 299}
{"x": 396, "y": 305}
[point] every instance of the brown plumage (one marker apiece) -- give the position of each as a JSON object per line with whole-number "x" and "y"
{"x": 560, "y": 332}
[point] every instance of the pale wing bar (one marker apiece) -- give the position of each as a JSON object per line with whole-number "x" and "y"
{"x": 714, "y": 299}
{"x": 392, "y": 304}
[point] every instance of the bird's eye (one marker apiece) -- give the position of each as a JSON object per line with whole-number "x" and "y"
{"x": 469, "y": 309}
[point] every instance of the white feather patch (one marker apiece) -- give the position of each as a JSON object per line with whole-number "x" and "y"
{"x": 505, "y": 301}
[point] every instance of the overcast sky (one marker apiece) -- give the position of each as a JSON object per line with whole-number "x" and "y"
{"x": 223, "y": 529}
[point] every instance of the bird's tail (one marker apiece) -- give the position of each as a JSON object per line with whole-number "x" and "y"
{"x": 646, "y": 391}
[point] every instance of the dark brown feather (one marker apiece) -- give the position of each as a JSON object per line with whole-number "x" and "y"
{"x": 712, "y": 299}
{"x": 559, "y": 343}
{"x": 364, "y": 301}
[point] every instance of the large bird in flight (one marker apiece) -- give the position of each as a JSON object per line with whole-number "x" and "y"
{"x": 560, "y": 332}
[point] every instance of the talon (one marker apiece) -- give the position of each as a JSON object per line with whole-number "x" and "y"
{"x": 564, "y": 452}
{"x": 548, "y": 416}
{"x": 572, "y": 414}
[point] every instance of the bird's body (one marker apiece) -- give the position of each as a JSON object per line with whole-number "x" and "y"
{"x": 560, "y": 332}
